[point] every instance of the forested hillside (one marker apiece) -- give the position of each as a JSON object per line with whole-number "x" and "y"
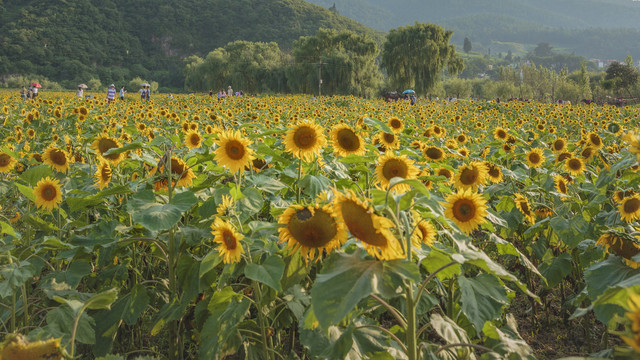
{"x": 607, "y": 29}
{"x": 115, "y": 40}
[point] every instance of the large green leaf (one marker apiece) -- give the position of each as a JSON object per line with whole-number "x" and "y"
{"x": 269, "y": 272}
{"x": 158, "y": 217}
{"x": 313, "y": 185}
{"x": 556, "y": 269}
{"x": 345, "y": 280}
{"x": 266, "y": 183}
{"x": 438, "y": 258}
{"x": 34, "y": 174}
{"x": 60, "y": 323}
{"x": 506, "y": 341}
{"x": 14, "y": 275}
{"x": 220, "y": 336}
{"x": 506, "y": 248}
{"x": 483, "y": 298}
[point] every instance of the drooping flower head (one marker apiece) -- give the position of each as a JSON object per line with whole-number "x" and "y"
{"x": 228, "y": 239}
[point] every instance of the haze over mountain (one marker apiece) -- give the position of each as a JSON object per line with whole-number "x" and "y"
{"x": 592, "y": 28}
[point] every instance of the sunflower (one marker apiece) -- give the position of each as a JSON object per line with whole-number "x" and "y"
{"x": 634, "y": 305}
{"x": 494, "y": 172}
{"x": 467, "y": 209}
{"x": 7, "y": 162}
{"x": 559, "y": 145}
{"x": 345, "y": 141}
{"x": 560, "y": 184}
{"x": 621, "y": 244}
{"x": 461, "y": 139}
{"x": 225, "y": 206}
{"x": 587, "y": 153}
{"x": 543, "y": 211}
{"x": 396, "y": 125}
{"x": 471, "y": 176}
{"x": 372, "y": 230}
{"x": 229, "y": 241}
{"x": 632, "y": 138}
{"x": 523, "y": 205}
{"x": 500, "y": 134}
{"x": 103, "y": 175}
{"x": 388, "y": 140}
{"x": 444, "y": 172}
{"x": 48, "y": 194}
{"x": 56, "y": 158}
{"x": 104, "y": 143}
{"x": 594, "y": 140}
{"x": 390, "y": 166}
{"x": 233, "y": 151}
{"x": 434, "y": 153}
{"x": 193, "y": 139}
{"x": 178, "y": 168}
{"x": 629, "y": 208}
{"x": 563, "y": 156}
{"x": 305, "y": 140}
{"x": 535, "y": 158}
{"x": 16, "y": 347}
{"x": 312, "y": 230}
{"x": 620, "y": 195}
{"x": 575, "y": 166}
{"x": 425, "y": 233}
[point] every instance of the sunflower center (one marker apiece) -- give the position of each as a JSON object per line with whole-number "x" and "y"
{"x": 494, "y": 172}
{"x": 563, "y": 187}
{"x": 49, "y": 192}
{"x": 4, "y": 160}
{"x": 534, "y": 158}
{"x": 388, "y": 138}
{"x": 57, "y": 157}
{"x": 348, "y": 140}
{"x": 501, "y": 134}
{"x": 229, "y": 239}
{"x": 360, "y": 224}
{"x": 105, "y": 173}
{"x": 434, "y": 153}
{"x": 194, "y": 139}
{"x": 558, "y": 145}
{"x": 525, "y": 208}
{"x": 313, "y": 231}
{"x": 234, "y": 149}
{"x": 575, "y": 164}
{"x": 595, "y": 139}
{"x": 464, "y": 210}
{"x": 631, "y": 206}
{"x": 394, "y": 168}
{"x": 469, "y": 176}
{"x": 395, "y": 123}
{"x": 305, "y": 137}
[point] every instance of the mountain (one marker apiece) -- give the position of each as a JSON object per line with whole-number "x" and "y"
{"x": 116, "y": 40}
{"x": 607, "y": 29}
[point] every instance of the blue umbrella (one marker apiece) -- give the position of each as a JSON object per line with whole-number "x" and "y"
{"x": 408, "y": 91}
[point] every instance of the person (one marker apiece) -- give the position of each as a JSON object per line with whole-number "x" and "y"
{"x": 23, "y": 92}
{"x": 80, "y": 93}
{"x": 30, "y": 92}
{"x": 210, "y": 92}
{"x": 111, "y": 93}
{"x": 148, "y": 93}
{"x": 34, "y": 92}
{"x": 413, "y": 99}
{"x": 122, "y": 91}
{"x": 229, "y": 91}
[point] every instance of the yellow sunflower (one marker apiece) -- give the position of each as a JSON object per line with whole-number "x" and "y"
{"x": 494, "y": 172}
{"x": 522, "y": 203}
{"x": 390, "y": 166}
{"x": 103, "y": 175}
{"x": 444, "y": 172}
{"x": 500, "y": 133}
{"x": 620, "y": 195}
{"x": 396, "y": 125}
{"x": 228, "y": 239}
{"x": 559, "y": 145}
{"x": 372, "y": 230}
{"x": 434, "y": 153}
{"x": 634, "y": 315}
{"x": 16, "y": 347}
{"x": 305, "y": 140}
{"x": 193, "y": 139}
{"x": 575, "y": 166}
{"x": 233, "y": 151}
{"x": 7, "y": 162}
{"x": 56, "y": 158}
{"x": 621, "y": 244}
{"x": 467, "y": 209}
{"x": 178, "y": 168}
{"x": 471, "y": 176}
{"x": 312, "y": 230}
{"x": 594, "y": 140}
{"x": 425, "y": 233}
{"x": 543, "y": 211}
{"x": 225, "y": 206}
{"x": 346, "y": 141}
{"x": 104, "y": 143}
{"x": 563, "y": 156}
{"x": 48, "y": 194}
{"x": 561, "y": 185}
{"x": 629, "y": 208}
{"x": 389, "y": 140}
{"x": 535, "y": 158}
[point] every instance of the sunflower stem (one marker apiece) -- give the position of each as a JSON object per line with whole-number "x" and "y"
{"x": 174, "y": 336}
{"x": 298, "y": 190}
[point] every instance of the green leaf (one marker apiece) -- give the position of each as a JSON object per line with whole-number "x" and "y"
{"x": 26, "y": 191}
{"x": 8, "y": 229}
{"x": 377, "y": 124}
{"x": 506, "y": 248}
{"x": 313, "y": 185}
{"x": 482, "y": 298}
{"x": 102, "y": 300}
{"x": 159, "y": 217}
{"x": 266, "y": 183}
{"x": 449, "y": 330}
{"x": 34, "y": 174}
{"x": 120, "y": 150}
{"x": 220, "y": 336}
{"x": 415, "y": 184}
{"x": 60, "y": 323}
{"x": 556, "y": 270}
{"x": 344, "y": 281}
{"x": 269, "y": 272}
{"x": 437, "y": 259}
{"x": 14, "y": 275}
{"x": 506, "y": 341}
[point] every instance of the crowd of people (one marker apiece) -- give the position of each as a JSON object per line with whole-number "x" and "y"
{"x": 224, "y": 94}
{"x": 29, "y": 93}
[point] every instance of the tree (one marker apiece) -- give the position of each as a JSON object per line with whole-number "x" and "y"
{"x": 467, "y": 45}
{"x": 543, "y": 50}
{"x": 621, "y": 77}
{"x": 415, "y": 56}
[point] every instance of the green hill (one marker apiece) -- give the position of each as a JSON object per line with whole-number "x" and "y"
{"x": 115, "y": 40}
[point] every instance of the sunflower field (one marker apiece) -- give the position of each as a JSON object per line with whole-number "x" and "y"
{"x": 291, "y": 227}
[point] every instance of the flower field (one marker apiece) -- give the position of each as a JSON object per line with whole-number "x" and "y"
{"x": 303, "y": 228}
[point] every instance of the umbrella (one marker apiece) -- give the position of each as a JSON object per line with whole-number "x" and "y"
{"x": 36, "y": 85}
{"x": 145, "y": 84}
{"x": 408, "y": 91}
{"x": 84, "y": 86}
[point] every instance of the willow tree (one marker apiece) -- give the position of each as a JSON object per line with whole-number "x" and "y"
{"x": 345, "y": 61}
{"x": 416, "y": 56}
